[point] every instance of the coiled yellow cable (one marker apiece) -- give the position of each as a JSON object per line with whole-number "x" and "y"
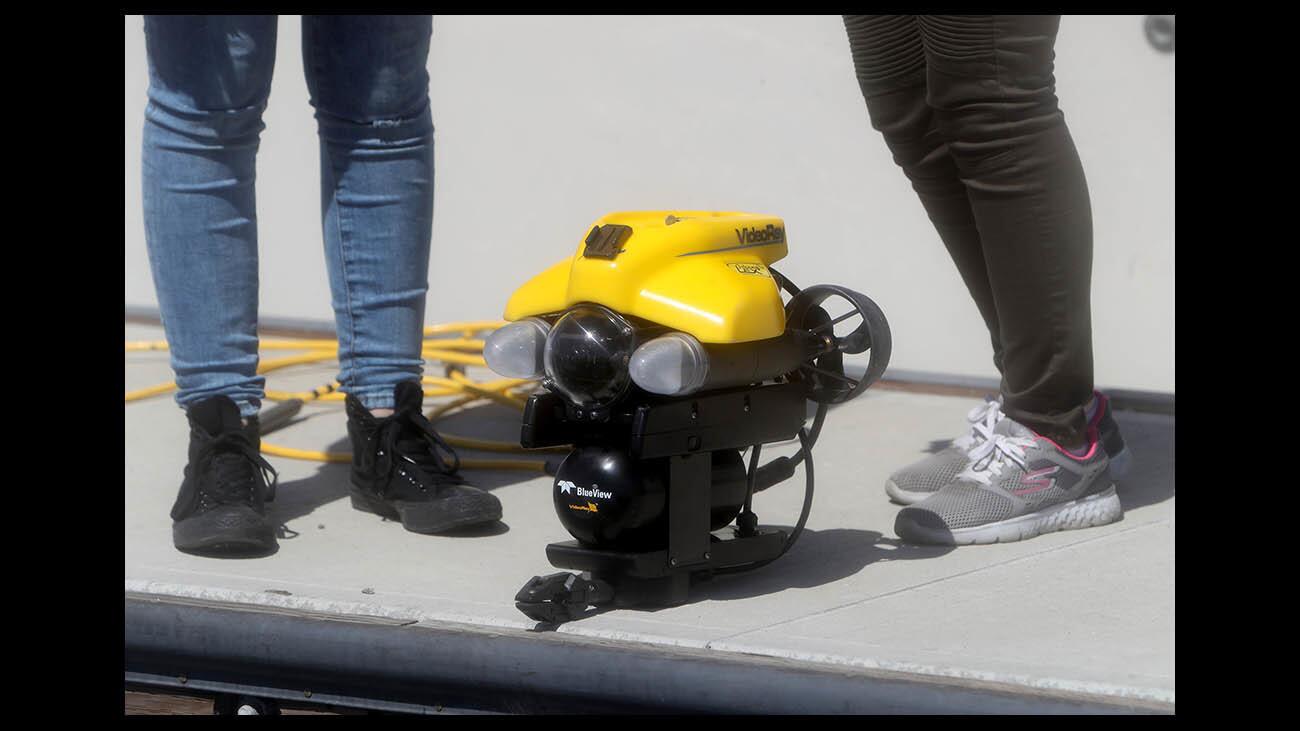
{"x": 454, "y": 352}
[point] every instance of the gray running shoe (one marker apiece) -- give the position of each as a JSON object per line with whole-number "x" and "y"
{"x": 922, "y": 479}
{"x": 1018, "y": 485}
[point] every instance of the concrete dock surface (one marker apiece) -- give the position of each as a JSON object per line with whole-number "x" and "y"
{"x": 1086, "y": 613}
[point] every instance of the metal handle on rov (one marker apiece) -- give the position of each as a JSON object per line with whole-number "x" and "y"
{"x": 561, "y": 597}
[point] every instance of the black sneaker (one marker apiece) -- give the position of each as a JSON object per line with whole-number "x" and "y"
{"x": 399, "y": 469}
{"x": 221, "y": 505}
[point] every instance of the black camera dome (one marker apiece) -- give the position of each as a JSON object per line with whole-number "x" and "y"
{"x": 587, "y": 354}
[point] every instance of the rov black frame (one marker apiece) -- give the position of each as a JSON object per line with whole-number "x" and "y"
{"x": 685, "y": 430}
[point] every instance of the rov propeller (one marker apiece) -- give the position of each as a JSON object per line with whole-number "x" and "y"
{"x": 827, "y": 381}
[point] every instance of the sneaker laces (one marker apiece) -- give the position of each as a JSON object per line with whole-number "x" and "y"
{"x": 988, "y": 458}
{"x": 983, "y": 418}
{"x": 230, "y": 455}
{"x": 409, "y": 436}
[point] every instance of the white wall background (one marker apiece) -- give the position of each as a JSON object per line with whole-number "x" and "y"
{"x": 546, "y": 123}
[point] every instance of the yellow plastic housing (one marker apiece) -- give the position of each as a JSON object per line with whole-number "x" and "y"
{"x": 700, "y": 272}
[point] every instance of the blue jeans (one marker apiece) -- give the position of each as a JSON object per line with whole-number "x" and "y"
{"x": 209, "y": 79}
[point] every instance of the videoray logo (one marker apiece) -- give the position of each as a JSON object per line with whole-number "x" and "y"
{"x": 772, "y": 234}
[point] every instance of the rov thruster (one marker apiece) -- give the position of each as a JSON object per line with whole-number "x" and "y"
{"x": 665, "y": 349}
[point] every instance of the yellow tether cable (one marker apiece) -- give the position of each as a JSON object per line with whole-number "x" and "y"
{"x": 453, "y": 352}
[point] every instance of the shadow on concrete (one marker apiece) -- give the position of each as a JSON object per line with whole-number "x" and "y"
{"x": 499, "y": 424}
{"x": 825, "y": 556}
{"x": 1150, "y": 440}
{"x": 818, "y": 558}
{"x": 937, "y": 445}
{"x": 300, "y": 498}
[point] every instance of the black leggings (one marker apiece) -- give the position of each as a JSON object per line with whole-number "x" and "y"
{"x": 967, "y": 106}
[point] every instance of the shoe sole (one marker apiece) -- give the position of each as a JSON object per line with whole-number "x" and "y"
{"x": 1088, "y": 512}
{"x": 224, "y": 533}
{"x": 455, "y": 514}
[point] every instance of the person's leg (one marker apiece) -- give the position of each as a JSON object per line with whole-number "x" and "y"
{"x": 991, "y": 85}
{"x": 370, "y": 87}
{"x": 209, "y": 79}
{"x": 1045, "y": 467}
{"x": 889, "y": 60}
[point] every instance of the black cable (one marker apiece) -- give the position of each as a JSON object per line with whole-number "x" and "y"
{"x": 782, "y": 468}
{"x": 818, "y": 420}
{"x": 753, "y": 471}
{"x": 784, "y": 283}
{"x": 793, "y": 461}
{"x": 747, "y": 522}
{"x": 803, "y": 456}
{"x": 805, "y": 448}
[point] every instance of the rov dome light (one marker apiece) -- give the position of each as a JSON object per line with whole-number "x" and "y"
{"x": 516, "y": 350}
{"x": 675, "y": 364}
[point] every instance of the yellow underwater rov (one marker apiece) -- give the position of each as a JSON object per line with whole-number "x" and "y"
{"x": 665, "y": 349}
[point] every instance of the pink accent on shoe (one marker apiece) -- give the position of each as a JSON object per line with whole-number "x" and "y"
{"x": 1037, "y": 480}
{"x": 1093, "y": 442}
